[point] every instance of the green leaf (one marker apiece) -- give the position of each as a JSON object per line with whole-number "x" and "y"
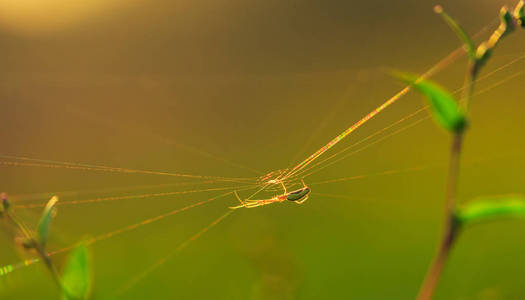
{"x": 507, "y": 21}
{"x": 76, "y": 277}
{"x": 506, "y": 26}
{"x": 491, "y": 208}
{"x": 444, "y": 107}
{"x": 45, "y": 220}
{"x": 519, "y": 13}
{"x": 460, "y": 32}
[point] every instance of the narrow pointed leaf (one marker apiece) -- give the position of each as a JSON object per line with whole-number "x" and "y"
{"x": 444, "y": 107}
{"x": 76, "y": 277}
{"x": 45, "y": 220}
{"x": 490, "y": 209}
{"x": 460, "y": 32}
{"x": 5, "y": 202}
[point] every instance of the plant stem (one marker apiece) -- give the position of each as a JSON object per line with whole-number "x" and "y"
{"x": 450, "y": 229}
{"x": 468, "y": 84}
{"x": 43, "y": 255}
{"x": 452, "y": 182}
{"x": 37, "y": 246}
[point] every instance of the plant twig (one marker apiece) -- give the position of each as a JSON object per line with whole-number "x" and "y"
{"x": 29, "y": 241}
{"x": 508, "y": 22}
{"x": 450, "y": 230}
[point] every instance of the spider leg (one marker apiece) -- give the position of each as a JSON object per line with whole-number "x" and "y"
{"x": 284, "y": 188}
{"x": 243, "y": 204}
{"x": 257, "y": 203}
{"x": 304, "y": 185}
{"x": 302, "y": 201}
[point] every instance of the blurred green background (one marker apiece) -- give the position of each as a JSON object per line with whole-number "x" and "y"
{"x": 181, "y": 86}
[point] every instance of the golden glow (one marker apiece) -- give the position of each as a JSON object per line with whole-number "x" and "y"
{"x": 44, "y": 16}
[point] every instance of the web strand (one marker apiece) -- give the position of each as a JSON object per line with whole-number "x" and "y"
{"x": 12, "y": 267}
{"x": 298, "y": 174}
{"x": 163, "y": 260}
